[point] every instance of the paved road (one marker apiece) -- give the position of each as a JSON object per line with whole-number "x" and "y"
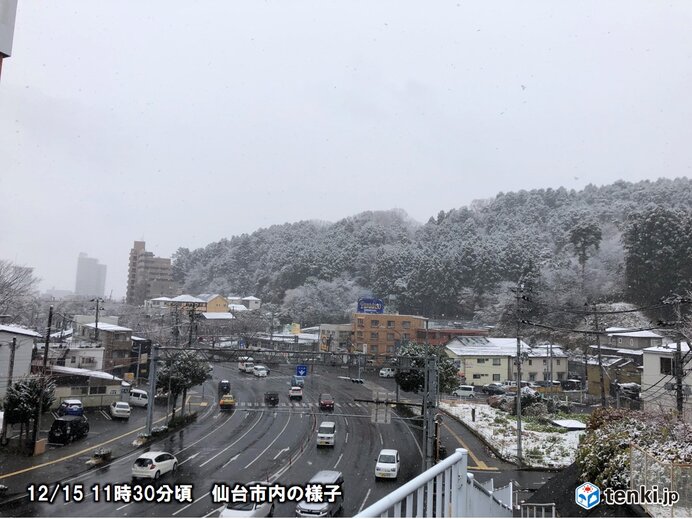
{"x": 256, "y": 442}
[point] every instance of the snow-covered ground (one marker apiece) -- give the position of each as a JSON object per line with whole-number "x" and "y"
{"x": 499, "y": 429}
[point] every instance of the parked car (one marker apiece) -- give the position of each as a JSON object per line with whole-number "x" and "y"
{"x": 297, "y": 381}
{"x": 494, "y": 388}
{"x": 227, "y": 402}
{"x": 120, "y": 410}
{"x": 249, "y": 509}
{"x": 387, "y": 372}
{"x": 295, "y": 393}
{"x": 309, "y": 509}
{"x": 154, "y": 464}
{"x": 326, "y": 433}
{"x": 271, "y": 398}
{"x": 260, "y": 371}
{"x": 68, "y": 428}
{"x": 326, "y": 402}
{"x": 387, "y": 464}
{"x": 465, "y": 392}
{"x": 70, "y": 407}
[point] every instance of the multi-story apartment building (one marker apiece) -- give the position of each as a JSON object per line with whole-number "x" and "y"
{"x": 380, "y": 334}
{"x": 91, "y": 277}
{"x": 334, "y": 337}
{"x": 148, "y": 276}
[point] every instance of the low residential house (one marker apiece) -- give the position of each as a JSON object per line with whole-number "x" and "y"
{"x": 116, "y": 342}
{"x": 94, "y": 388}
{"x": 232, "y": 307}
{"x": 659, "y": 384}
{"x": 440, "y": 336}
{"x": 634, "y": 340}
{"x": 615, "y": 370}
{"x": 215, "y": 302}
{"x": 545, "y": 362}
{"x": 160, "y": 304}
{"x": 186, "y": 303}
{"x": 482, "y": 360}
{"x": 23, "y": 350}
{"x": 251, "y": 302}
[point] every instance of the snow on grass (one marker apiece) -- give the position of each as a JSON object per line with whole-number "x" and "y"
{"x": 499, "y": 429}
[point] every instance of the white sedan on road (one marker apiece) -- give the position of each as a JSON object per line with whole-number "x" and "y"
{"x": 120, "y": 410}
{"x": 249, "y": 509}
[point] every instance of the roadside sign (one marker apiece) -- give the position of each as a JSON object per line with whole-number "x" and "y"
{"x": 301, "y": 370}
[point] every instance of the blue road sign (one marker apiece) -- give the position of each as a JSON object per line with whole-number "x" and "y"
{"x": 301, "y": 370}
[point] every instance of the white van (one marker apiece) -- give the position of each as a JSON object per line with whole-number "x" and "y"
{"x": 465, "y": 392}
{"x": 246, "y": 364}
{"x": 326, "y": 433}
{"x": 139, "y": 398}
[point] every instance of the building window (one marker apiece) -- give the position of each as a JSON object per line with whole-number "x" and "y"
{"x": 405, "y": 336}
{"x": 374, "y": 323}
{"x": 374, "y": 336}
{"x": 496, "y": 377}
{"x": 390, "y": 336}
{"x": 82, "y": 390}
{"x": 631, "y": 342}
{"x": 619, "y": 340}
{"x": 532, "y": 377}
{"x": 73, "y": 359}
{"x": 361, "y": 323}
{"x": 558, "y": 362}
{"x": 666, "y": 366}
{"x": 530, "y": 362}
{"x": 97, "y": 390}
{"x": 406, "y": 324}
{"x": 476, "y": 376}
{"x": 359, "y": 334}
{"x": 545, "y": 362}
{"x": 390, "y": 349}
{"x": 497, "y": 362}
{"x": 480, "y": 361}
{"x": 390, "y": 324}
{"x": 560, "y": 375}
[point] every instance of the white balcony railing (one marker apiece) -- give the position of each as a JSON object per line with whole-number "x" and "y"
{"x": 445, "y": 490}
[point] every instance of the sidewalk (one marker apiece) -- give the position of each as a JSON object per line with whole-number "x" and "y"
{"x": 19, "y": 470}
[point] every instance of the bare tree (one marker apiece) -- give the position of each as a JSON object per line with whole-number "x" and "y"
{"x": 17, "y": 284}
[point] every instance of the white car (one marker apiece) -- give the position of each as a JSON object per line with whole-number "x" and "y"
{"x": 387, "y": 465}
{"x": 248, "y": 509}
{"x": 326, "y": 433}
{"x": 387, "y": 372}
{"x": 260, "y": 371}
{"x": 296, "y": 392}
{"x": 120, "y": 410}
{"x": 154, "y": 464}
{"x": 465, "y": 392}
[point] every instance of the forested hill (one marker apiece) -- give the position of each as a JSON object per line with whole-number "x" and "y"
{"x": 624, "y": 241}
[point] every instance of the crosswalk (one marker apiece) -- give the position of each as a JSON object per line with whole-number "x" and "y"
{"x": 302, "y": 405}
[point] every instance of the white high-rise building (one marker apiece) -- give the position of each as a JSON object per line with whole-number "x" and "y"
{"x": 91, "y": 277}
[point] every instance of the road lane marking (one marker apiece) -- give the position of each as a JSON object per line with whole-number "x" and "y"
{"x": 232, "y": 459}
{"x": 281, "y": 451}
{"x": 232, "y": 444}
{"x": 364, "y": 500}
{"x": 206, "y": 494}
{"x": 337, "y": 461}
{"x": 381, "y": 440}
{"x": 346, "y": 438}
{"x": 272, "y": 443}
{"x": 479, "y": 464}
{"x": 191, "y": 457}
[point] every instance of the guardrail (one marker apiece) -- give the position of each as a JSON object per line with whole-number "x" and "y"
{"x": 444, "y": 490}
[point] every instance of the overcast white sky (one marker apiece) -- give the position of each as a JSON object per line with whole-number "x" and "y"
{"x": 182, "y": 122}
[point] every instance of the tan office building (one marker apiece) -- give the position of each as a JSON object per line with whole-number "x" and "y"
{"x": 148, "y": 277}
{"x": 379, "y": 334}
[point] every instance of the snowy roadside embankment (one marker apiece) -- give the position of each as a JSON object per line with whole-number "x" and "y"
{"x": 499, "y": 429}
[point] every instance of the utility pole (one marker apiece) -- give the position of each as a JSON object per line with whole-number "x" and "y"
{"x": 3, "y": 433}
{"x": 519, "y": 290}
{"x": 152, "y": 387}
{"x": 37, "y": 420}
{"x": 192, "y": 322}
{"x": 600, "y": 358}
{"x": 678, "y": 365}
{"x": 429, "y": 410}
{"x": 98, "y": 301}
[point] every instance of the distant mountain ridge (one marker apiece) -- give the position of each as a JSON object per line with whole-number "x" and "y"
{"x": 458, "y": 264}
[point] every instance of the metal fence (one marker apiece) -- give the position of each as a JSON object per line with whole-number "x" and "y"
{"x": 647, "y": 471}
{"x": 537, "y": 509}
